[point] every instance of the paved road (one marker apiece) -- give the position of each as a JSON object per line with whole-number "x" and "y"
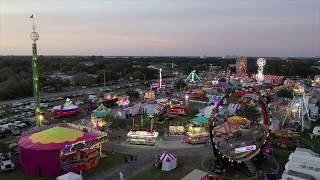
{"x": 146, "y": 155}
{"x": 50, "y": 95}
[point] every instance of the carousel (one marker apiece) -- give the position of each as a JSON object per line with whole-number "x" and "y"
{"x": 98, "y": 116}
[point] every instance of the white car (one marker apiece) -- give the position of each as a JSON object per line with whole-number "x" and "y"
{"x": 20, "y": 124}
{"x": 6, "y": 163}
{"x": 7, "y": 126}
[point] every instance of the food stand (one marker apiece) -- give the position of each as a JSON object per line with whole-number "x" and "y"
{"x": 142, "y": 136}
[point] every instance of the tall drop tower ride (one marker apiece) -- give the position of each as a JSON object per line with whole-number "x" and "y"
{"x": 35, "y": 73}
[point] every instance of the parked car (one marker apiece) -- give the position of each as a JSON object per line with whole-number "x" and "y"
{"x": 14, "y": 148}
{"x": 3, "y": 133}
{"x": 6, "y": 162}
{"x": 20, "y": 124}
{"x": 295, "y": 127}
{"x": 7, "y": 125}
{"x": 15, "y": 131}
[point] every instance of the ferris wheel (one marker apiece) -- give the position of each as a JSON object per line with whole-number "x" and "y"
{"x": 236, "y": 139}
{"x": 261, "y": 62}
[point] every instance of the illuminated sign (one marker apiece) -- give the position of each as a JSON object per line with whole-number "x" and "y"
{"x": 84, "y": 144}
{"x": 245, "y": 149}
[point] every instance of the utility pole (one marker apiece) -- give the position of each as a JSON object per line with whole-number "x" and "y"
{"x": 104, "y": 79}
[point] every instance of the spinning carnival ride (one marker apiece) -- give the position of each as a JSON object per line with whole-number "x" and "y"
{"x": 298, "y": 111}
{"x": 237, "y": 139}
{"x": 67, "y": 109}
{"x": 261, "y": 62}
{"x": 193, "y": 77}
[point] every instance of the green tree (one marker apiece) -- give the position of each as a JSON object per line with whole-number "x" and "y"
{"x": 133, "y": 94}
{"x": 180, "y": 84}
{"x": 82, "y": 79}
{"x": 248, "y": 111}
{"x": 285, "y": 93}
{"x": 193, "y": 110}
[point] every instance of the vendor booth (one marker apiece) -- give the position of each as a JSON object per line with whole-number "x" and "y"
{"x": 142, "y": 136}
{"x": 197, "y": 131}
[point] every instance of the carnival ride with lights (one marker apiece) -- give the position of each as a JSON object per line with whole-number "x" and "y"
{"x": 297, "y": 111}
{"x": 35, "y": 73}
{"x": 147, "y": 136}
{"x": 175, "y": 110}
{"x": 193, "y": 77}
{"x": 108, "y": 99}
{"x": 237, "y": 138}
{"x": 123, "y": 101}
{"x": 261, "y": 62}
{"x": 196, "y": 94}
{"x": 98, "y": 116}
{"x": 65, "y": 110}
{"x": 160, "y": 84}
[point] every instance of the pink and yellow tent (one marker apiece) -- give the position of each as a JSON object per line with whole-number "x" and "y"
{"x": 39, "y": 152}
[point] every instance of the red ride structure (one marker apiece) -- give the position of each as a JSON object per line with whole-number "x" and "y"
{"x": 178, "y": 110}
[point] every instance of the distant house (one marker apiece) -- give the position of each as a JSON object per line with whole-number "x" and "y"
{"x": 60, "y": 75}
{"x": 93, "y": 75}
{"x": 87, "y": 63}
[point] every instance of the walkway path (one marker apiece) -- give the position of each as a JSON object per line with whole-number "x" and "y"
{"x": 146, "y": 155}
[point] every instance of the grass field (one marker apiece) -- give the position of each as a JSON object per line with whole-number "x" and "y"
{"x": 185, "y": 166}
{"x": 105, "y": 164}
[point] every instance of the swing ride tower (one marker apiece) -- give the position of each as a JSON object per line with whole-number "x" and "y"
{"x": 35, "y": 73}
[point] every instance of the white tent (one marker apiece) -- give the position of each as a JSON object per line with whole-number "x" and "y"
{"x": 207, "y": 111}
{"x": 134, "y": 110}
{"x": 70, "y": 176}
{"x": 316, "y": 131}
{"x": 169, "y": 161}
{"x": 195, "y": 174}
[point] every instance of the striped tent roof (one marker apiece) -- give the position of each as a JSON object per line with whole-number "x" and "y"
{"x": 167, "y": 155}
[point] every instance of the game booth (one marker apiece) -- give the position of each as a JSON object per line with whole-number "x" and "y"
{"x": 142, "y": 136}
{"x": 60, "y": 149}
{"x": 178, "y": 110}
{"x": 149, "y": 95}
{"x": 176, "y": 129}
{"x": 65, "y": 110}
{"x": 197, "y": 131}
{"x": 98, "y": 115}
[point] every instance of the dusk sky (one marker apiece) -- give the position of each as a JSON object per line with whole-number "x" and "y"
{"x": 162, "y": 27}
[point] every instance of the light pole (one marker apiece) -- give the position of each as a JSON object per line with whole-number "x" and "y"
{"x": 104, "y": 79}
